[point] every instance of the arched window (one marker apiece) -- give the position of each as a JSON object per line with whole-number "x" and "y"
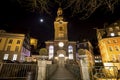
{"x": 70, "y": 51}
{"x": 51, "y": 51}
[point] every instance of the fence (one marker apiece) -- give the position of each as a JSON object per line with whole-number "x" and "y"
{"x": 74, "y": 69}
{"x": 51, "y": 68}
{"x": 15, "y": 71}
{"x": 96, "y": 73}
{"x": 105, "y": 72}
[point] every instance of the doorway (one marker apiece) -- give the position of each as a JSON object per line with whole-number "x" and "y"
{"x": 61, "y": 60}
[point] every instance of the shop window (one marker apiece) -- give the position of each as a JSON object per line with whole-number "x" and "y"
{"x": 5, "y": 57}
{"x": 14, "y": 57}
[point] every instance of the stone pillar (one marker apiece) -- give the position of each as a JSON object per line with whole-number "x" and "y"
{"x": 84, "y": 68}
{"x": 42, "y": 69}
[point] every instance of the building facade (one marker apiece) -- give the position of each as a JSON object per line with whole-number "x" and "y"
{"x": 61, "y": 48}
{"x": 85, "y": 47}
{"x": 109, "y": 45}
{"x": 14, "y": 47}
{"x": 34, "y": 42}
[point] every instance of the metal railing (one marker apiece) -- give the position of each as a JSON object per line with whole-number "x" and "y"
{"x": 15, "y": 71}
{"x": 105, "y": 72}
{"x": 96, "y": 72}
{"x": 74, "y": 69}
{"x": 50, "y": 69}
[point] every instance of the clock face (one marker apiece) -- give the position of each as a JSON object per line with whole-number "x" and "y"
{"x": 60, "y": 44}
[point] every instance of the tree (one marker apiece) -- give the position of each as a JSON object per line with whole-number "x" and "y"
{"x": 83, "y": 7}
{"x": 43, "y": 52}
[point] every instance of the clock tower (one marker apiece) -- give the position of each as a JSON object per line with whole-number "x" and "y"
{"x": 61, "y": 50}
{"x": 60, "y": 27}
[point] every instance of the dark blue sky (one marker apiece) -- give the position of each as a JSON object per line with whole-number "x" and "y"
{"x": 14, "y": 18}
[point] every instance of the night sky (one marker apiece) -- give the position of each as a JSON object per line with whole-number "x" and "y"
{"x": 15, "y": 19}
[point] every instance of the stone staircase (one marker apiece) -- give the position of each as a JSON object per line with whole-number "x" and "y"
{"x": 62, "y": 74}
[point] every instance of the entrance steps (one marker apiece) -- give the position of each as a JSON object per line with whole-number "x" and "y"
{"x": 62, "y": 74}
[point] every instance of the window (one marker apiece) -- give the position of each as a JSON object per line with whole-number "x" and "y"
{"x": 110, "y": 48}
{"x": 108, "y": 42}
{"x": 10, "y": 41}
{"x": 61, "y": 35}
{"x": 118, "y": 33}
{"x": 0, "y": 40}
{"x": 51, "y": 51}
{"x": 115, "y": 41}
{"x": 5, "y": 56}
{"x": 117, "y": 27}
{"x": 61, "y": 28}
{"x": 18, "y": 41}
{"x": 14, "y": 57}
{"x": 117, "y": 48}
{"x": 110, "y": 29}
{"x": 8, "y": 48}
{"x": 70, "y": 51}
{"x": 17, "y": 48}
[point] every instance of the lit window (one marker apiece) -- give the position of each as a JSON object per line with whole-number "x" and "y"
{"x": 5, "y": 56}
{"x": 70, "y": 51}
{"x": 8, "y": 48}
{"x": 17, "y": 48}
{"x": 112, "y": 34}
{"x": 118, "y": 33}
{"x": 117, "y": 27}
{"x": 51, "y": 51}
{"x": 14, "y": 57}
{"x": 0, "y": 40}
{"x": 18, "y": 41}
{"x": 110, "y": 29}
{"x": 10, "y": 41}
{"x": 70, "y": 56}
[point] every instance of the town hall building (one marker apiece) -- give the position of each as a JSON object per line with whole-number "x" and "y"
{"x": 61, "y": 49}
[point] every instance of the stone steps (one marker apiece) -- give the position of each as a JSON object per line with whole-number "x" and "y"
{"x": 62, "y": 74}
